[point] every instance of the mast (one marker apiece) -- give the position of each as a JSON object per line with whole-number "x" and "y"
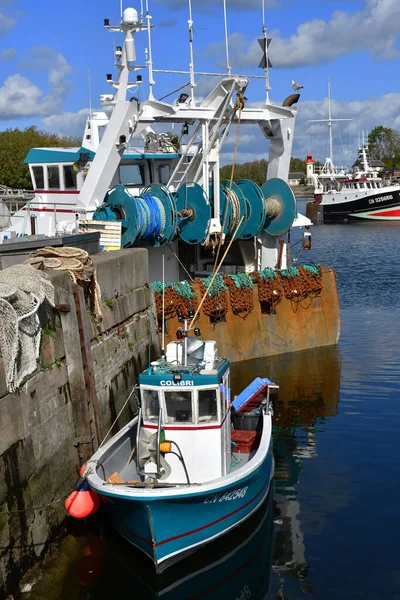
{"x": 191, "y": 64}
{"x": 265, "y": 62}
{"x": 228, "y": 66}
{"x": 329, "y": 120}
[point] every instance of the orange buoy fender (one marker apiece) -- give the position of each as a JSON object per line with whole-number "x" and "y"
{"x": 82, "y": 501}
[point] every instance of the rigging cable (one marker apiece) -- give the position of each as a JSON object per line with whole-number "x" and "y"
{"x": 240, "y": 105}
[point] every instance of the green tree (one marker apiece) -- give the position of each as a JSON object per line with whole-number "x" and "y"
{"x": 15, "y": 145}
{"x": 255, "y": 170}
{"x": 297, "y": 165}
{"x": 384, "y": 145}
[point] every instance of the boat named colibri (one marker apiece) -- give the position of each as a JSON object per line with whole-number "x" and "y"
{"x": 178, "y": 476}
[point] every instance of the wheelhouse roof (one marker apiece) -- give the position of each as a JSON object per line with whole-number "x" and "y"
{"x": 190, "y": 375}
{"x": 71, "y": 155}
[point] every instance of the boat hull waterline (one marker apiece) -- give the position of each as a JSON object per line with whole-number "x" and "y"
{"x": 381, "y": 206}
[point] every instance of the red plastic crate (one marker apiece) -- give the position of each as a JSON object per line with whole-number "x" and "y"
{"x": 245, "y": 440}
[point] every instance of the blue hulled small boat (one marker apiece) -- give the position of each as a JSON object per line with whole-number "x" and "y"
{"x": 179, "y": 475}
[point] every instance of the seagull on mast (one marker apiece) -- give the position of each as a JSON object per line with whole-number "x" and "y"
{"x": 296, "y": 86}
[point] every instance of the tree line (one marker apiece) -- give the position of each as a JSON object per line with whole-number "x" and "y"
{"x": 384, "y": 145}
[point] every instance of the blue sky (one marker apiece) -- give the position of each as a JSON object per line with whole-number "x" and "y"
{"x": 47, "y": 50}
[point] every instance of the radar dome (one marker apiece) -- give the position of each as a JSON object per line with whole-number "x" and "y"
{"x": 130, "y": 16}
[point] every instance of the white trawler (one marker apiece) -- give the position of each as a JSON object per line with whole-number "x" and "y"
{"x": 358, "y": 195}
{"x": 165, "y": 189}
{"x": 341, "y": 195}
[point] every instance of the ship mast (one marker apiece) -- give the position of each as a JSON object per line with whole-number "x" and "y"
{"x": 329, "y": 120}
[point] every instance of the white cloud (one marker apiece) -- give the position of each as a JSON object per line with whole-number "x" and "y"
{"x": 20, "y": 97}
{"x": 8, "y": 54}
{"x": 313, "y": 137}
{"x": 373, "y": 29}
{"x": 6, "y": 23}
{"x": 68, "y": 123}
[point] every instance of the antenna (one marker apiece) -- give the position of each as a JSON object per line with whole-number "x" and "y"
{"x": 150, "y": 56}
{"x": 228, "y": 66}
{"x": 191, "y": 63}
{"x": 120, "y": 9}
{"x": 141, "y": 11}
{"x": 265, "y": 63}
{"x": 90, "y": 95}
{"x": 329, "y": 120}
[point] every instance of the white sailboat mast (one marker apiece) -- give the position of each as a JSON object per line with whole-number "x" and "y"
{"x": 329, "y": 120}
{"x": 191, "y": 64}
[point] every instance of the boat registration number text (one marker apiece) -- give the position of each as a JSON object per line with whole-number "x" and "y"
{"x": 240, "y": 493}
{"x": 381, "y": 199}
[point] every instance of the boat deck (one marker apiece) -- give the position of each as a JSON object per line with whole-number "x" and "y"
{"x": 239, "y": 459}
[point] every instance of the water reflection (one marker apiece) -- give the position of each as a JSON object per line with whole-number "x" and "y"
{"x": 235, "y": 567}
{"x": 309, "y": 393}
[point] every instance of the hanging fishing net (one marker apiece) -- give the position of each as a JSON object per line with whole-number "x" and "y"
{"x": 22, "y": 291}
{"x": 178, "y": 298}
{"x": 240, "y": 293}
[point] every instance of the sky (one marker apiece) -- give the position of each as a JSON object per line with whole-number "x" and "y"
{"x": 50, "y": 50}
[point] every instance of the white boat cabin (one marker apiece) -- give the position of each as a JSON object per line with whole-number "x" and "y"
{"x": 190, "y": 403}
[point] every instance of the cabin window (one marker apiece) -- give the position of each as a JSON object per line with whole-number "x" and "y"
{"x": 131, "y": 174}
{"x": 150, "y": 405}
{"x": 164, "y": 173}
{"x": 53, "y": 177}
{"x": 208, "y": 407}
{"x": 38, "y": 174}
{"x": 179, "y": 407}
{"x": 69, "y": 178}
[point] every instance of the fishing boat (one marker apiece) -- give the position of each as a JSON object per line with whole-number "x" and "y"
{"x": 147, "y": 174}
{"x": 342, "y": 195}
{"x": 360, "y": 195}
{"x": 181, "y": 473}
{"x": 154, "y": 167}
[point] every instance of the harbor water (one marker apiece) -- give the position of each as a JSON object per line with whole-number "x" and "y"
{"x": 330, "y": 528}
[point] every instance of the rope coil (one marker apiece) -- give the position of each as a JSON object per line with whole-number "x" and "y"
{"x": 151, "y": 216}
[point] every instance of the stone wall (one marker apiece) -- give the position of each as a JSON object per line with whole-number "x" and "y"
{"x": 59, "y": 416}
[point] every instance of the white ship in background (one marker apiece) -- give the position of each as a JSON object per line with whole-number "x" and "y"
{"x": 165, "y": 189}
{"x": 342, "y": 195}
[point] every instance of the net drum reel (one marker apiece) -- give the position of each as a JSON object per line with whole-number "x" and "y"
{"x": 233, "y": 206}
{"x": 194, "y": 213}
{"x": 280, "y": 206}
{"x": 271, "y": 208}
{"x": 257, "y": 208}
{"x": 149, "y": 219}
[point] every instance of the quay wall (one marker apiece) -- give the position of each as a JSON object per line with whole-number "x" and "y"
{"x": 56, "y": 420}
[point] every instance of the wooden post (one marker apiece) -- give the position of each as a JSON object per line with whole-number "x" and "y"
{"x": 85, "y": 433}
